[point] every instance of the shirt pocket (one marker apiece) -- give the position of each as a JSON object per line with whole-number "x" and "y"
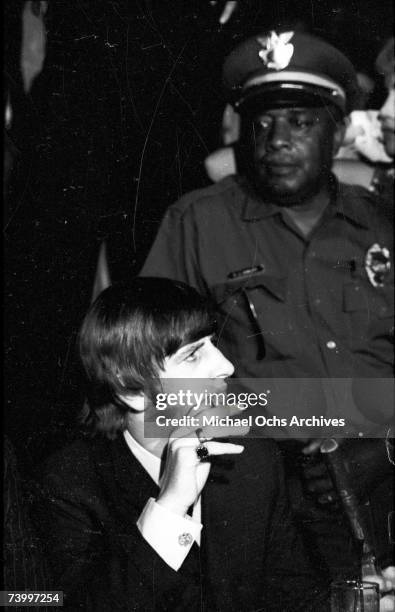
{"x": 370, "y": 309}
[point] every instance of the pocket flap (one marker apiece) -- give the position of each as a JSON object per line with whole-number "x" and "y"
{"x": 276, "y": 286}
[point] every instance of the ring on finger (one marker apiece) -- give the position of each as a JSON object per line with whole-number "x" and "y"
{"x": 202, "y": 452}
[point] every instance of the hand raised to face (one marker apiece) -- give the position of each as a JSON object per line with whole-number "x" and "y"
{"x": 185, "y": 475}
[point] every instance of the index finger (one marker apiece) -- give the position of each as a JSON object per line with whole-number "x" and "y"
{"x": 218, "y": 422}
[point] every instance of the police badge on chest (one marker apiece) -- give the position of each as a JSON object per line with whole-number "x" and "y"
{"x": 377, "y": 264}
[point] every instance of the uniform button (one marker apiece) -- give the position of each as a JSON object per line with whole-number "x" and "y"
{"x": 185, "y": 539}
{"x": 331, "y": 344}
{"x": 317, "y": 302}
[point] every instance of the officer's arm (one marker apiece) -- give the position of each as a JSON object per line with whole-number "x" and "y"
{"x": 174, "y": 251}
{"x": 291, "y": 581}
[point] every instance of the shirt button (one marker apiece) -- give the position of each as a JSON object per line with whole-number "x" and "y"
{"x": 331, "y": 344}
{"x": 185, "y": 539}
{"x": 317, "y": 302}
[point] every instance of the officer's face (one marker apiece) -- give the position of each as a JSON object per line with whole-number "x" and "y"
{"x": 292, "y": 151}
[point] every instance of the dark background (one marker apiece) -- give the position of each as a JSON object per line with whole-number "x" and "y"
{"x": 116, "y": 128}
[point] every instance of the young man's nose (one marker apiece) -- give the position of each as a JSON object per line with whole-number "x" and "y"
{"x": 221, "y": 366}
{"x": 388, "y": 108}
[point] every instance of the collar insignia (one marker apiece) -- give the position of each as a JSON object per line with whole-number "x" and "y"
{"x": 276, "y": 50}
{"x": 377, "y": 264}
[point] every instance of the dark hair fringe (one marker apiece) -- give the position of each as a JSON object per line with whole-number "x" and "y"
{"x": 124, "y": 339}
{"x": 108, "y": 419}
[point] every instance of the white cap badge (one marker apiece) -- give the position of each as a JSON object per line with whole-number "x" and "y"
{"x": 277, "y": 50}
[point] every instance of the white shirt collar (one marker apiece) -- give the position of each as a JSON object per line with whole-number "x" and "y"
{"x": 150, "y": 462}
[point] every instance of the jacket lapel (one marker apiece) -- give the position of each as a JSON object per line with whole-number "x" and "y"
{"x": 125, "y": 478}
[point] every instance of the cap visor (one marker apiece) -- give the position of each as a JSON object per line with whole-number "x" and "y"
{"x": 285, "y": 95}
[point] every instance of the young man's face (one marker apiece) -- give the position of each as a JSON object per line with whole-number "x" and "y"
{"x": 292, "y": 151}
{"x": 198, "y": 367}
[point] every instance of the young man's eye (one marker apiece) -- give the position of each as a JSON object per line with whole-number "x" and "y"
{"x": 193, "y": 356}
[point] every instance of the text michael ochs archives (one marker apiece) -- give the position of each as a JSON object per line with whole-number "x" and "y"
{"x": 247, "y": 421}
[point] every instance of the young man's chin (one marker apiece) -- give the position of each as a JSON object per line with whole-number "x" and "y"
{"x": 389, "y": 143}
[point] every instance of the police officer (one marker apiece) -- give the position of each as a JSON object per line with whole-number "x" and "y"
{"x": 299, "y": 266}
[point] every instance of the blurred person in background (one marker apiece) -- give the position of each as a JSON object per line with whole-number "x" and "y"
{"x": 367, "y": 155}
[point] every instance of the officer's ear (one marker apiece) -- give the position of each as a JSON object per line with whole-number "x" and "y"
{"x": 230, "y": 125}
{"x": 339, "y": 133}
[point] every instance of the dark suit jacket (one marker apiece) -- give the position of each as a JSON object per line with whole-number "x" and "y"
{"x": 250, "y": 557}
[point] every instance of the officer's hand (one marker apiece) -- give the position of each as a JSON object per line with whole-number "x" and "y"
{"x": 319, "y": 483}
{"x": 367, "y": 463}
{"x": 313, "y": 446}
{"x": 316, "y": 478}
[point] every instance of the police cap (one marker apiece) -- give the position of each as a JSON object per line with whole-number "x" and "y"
{"x": 288, "y": 69}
